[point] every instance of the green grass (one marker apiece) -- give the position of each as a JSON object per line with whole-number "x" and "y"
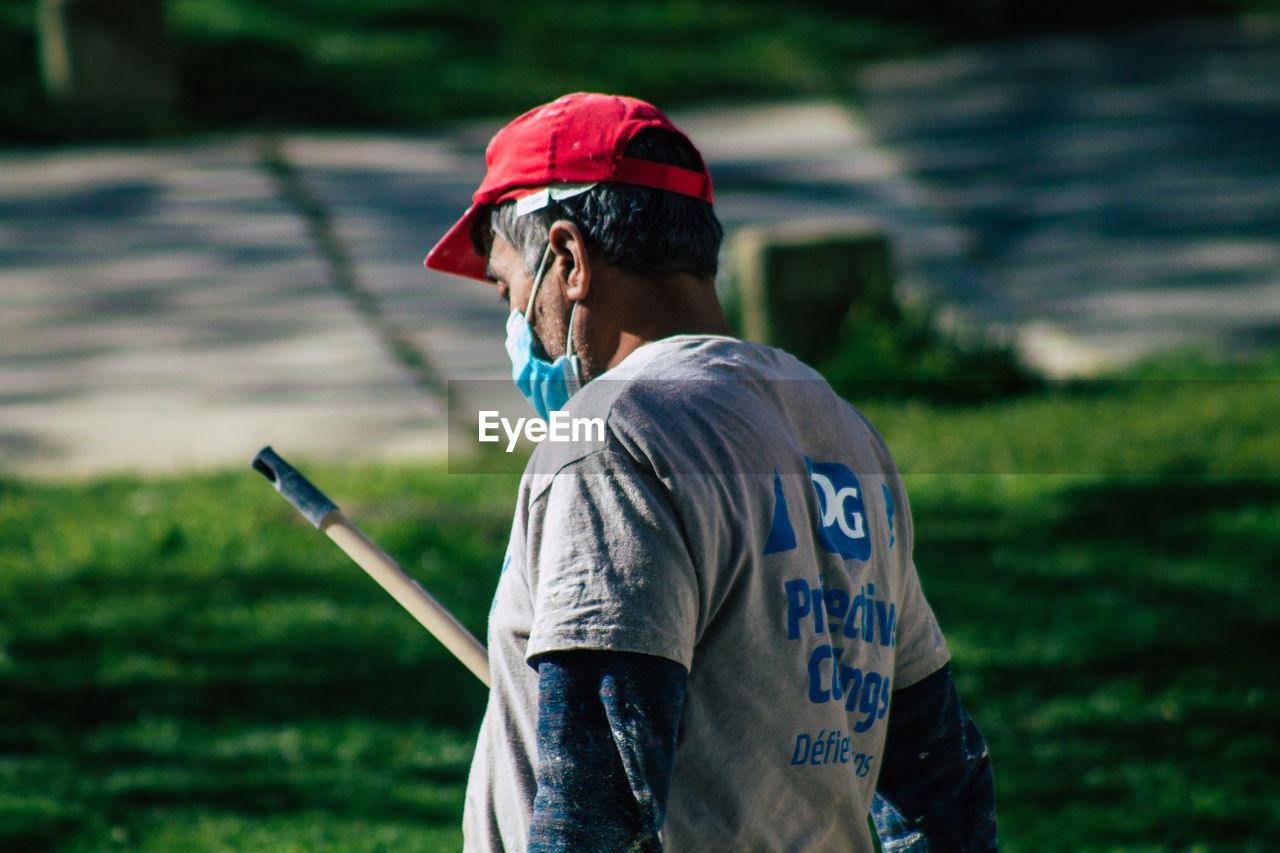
{"x": 1105, "y": 560}
{"x": 185, "y": 665}
{"x": 412, "y": 63}
{"x": 1114, "y": 639}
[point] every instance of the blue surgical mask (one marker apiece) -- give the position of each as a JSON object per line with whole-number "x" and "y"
{"x": 547, "y": 385}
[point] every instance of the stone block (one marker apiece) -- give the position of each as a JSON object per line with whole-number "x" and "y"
{"x": 793, "y": 284}
{"x": 107, "y": 63}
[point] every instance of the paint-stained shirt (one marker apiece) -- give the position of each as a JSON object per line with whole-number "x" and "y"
{"x": 737, "y": 517}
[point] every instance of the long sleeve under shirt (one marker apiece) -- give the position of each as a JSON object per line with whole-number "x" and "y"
{"x": 607, "y": 727}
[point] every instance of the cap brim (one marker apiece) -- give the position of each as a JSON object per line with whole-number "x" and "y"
{"x": 455, "y": 254}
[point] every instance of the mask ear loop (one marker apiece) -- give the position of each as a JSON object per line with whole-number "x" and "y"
{"x": 573, "y": 373}
{"x": 537, "y": 282}
{"x": 573, "y": 376}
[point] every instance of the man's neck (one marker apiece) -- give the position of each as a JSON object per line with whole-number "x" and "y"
{"x": 650, "y": 309}
{"x": 663, "y": 308}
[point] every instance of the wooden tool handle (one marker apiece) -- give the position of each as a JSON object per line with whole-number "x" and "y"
{"x": 404, "y": 589}
{"x": 325, "y": 515}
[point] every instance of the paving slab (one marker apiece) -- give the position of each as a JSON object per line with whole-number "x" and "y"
{"x": 390, "y": 198}
{"x": 162, "y": 309}
{"x": 1118, "y": 194}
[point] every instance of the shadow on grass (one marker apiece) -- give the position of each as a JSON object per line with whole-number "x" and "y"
{"x": 163, "y": 656}
{"x": 1117, "y": 648}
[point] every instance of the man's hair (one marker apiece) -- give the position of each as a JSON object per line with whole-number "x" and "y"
{"x": 640, "y": 230}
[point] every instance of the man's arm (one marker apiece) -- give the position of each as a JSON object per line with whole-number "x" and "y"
{"x": 607, "y": 725}
{"x": 936, "y": 774}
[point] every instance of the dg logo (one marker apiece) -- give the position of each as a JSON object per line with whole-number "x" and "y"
{"x": 842, "y": 525}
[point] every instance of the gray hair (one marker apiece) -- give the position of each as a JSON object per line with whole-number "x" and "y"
{"x": 640, "y": 230}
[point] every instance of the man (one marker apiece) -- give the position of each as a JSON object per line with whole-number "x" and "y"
{"x": 704, "y": 619}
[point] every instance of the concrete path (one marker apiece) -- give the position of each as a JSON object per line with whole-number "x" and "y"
{"x": 179, "y": 306}
{"x": 163, "y": 308}
{"x": 1117, "y": 195}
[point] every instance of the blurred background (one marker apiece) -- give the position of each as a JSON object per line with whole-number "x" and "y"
{"x": 1038, "y": 244}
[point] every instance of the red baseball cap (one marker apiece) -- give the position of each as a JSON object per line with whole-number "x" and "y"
{"x": 575, "y": 139}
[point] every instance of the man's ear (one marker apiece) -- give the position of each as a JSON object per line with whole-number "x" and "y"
{"x": 571, "y": 259}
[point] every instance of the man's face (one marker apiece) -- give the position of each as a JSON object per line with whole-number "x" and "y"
{"x": 549, "y": 317}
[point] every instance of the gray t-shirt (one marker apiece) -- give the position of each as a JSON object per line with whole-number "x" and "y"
{"x": 742, "y": 520}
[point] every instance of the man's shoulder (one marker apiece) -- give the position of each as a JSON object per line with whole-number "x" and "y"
{"x": 704, "y": 403}
{"x": 683, "y": 371}
{"x": 713, "y": 356}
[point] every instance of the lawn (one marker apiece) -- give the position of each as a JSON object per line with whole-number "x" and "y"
{"x": 185, "y": 665}
{"x": 413, "y": 63}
